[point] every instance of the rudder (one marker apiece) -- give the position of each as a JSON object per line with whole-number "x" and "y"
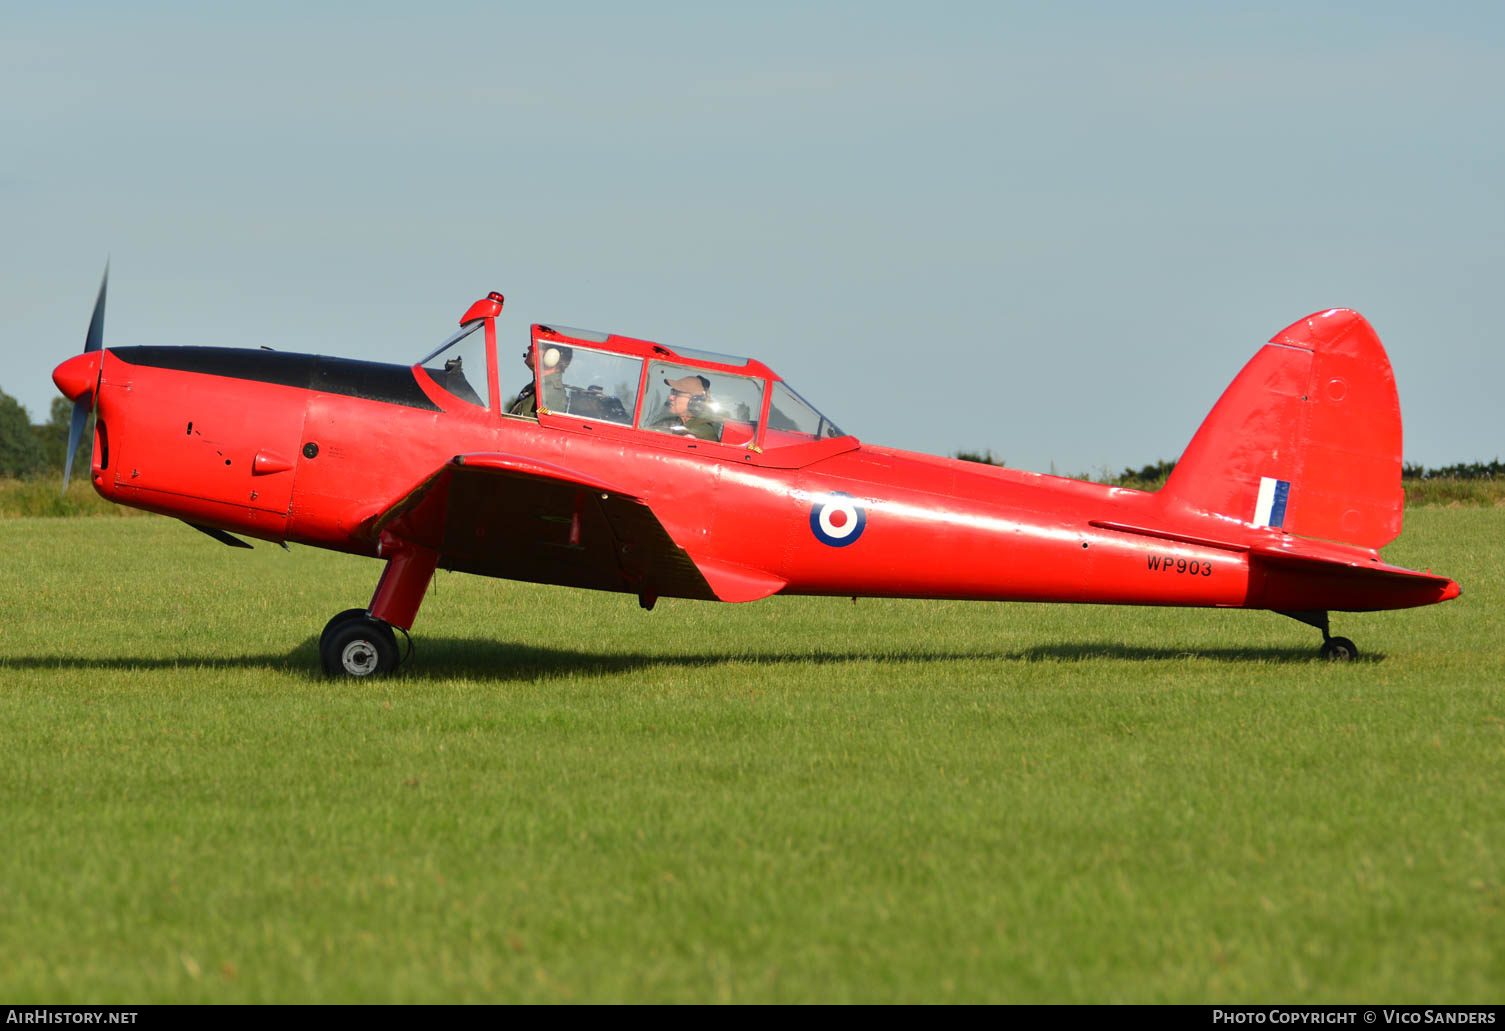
{"x": 1306, "y": 438}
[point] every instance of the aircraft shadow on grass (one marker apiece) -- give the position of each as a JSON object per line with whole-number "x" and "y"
{"x": 1070, "y": 652}
{"x": 454, "y": 657}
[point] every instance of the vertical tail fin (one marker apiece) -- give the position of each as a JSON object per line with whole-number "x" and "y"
{"x": 1306, "y": 438}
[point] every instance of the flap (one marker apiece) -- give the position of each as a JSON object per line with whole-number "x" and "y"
{"x": 733, "y": 582}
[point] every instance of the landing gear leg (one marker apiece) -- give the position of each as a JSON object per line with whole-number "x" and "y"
{"x": 359, "y": 642}
{"x": 1334, "y": 649}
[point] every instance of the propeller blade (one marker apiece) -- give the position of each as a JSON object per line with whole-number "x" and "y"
{"x": 96, "y": 338}
{"x": 84, "y": 406}
{"x": 94, "y": 394}
{"x": 81, "y": 410}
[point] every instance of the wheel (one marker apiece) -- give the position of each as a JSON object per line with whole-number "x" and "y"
{"x": 358, "y": 646}
{"x": 363, "y": 647}
{"x": 1339, "y": 649}
{"x": 348, "y": 614}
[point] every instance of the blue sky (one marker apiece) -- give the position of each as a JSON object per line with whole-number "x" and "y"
{"x": 1055, "y": 230}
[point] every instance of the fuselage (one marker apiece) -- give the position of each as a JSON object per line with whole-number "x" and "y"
{"x": 308, "y": 449}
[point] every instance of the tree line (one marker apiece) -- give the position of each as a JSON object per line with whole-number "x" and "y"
{"x": 28, "y": 449}
{"x": 1156, "y": 473}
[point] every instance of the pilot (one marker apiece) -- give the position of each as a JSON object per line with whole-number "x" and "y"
{"x": 555, "y": 360}
{"x": 686, "y": 410}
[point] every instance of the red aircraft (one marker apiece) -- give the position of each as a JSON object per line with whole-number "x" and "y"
{"x": 667, "y": 472}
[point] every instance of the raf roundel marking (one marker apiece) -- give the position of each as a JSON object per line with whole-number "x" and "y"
{"x": 837, "y": 519}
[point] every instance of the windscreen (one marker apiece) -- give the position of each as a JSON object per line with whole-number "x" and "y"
{"x": 793, "y": 420}
{"x": 459, "y": 365}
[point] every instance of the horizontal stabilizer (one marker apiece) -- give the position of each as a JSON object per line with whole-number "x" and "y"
{"x": 1315, "y": 555}
{"x": 1286, "y": 577}
{"x": 1283, "y": 570}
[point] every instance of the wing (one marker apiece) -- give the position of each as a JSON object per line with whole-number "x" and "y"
{"x": 520, "y": 519}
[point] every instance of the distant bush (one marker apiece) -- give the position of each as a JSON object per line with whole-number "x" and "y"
{"x": 1464, "y": 484}
{"x": 1462, "y": 471}
{"x": 1149, "y": 477}
{"x": 53, "y": 436}
{"x": 21, "y": 453}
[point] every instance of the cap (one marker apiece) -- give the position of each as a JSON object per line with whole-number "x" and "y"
{"x": 689, "y": 384}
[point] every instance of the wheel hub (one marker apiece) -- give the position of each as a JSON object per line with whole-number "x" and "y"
{"x": 359, "y": 658}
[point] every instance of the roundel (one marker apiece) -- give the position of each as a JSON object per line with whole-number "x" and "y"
{"x": 837, "y": 519}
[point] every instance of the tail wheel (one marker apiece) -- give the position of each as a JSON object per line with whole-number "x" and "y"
{"x": 1339, "y": 649}
{"x": 356, "y": 645}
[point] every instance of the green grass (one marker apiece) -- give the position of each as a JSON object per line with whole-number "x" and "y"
{"x": 569, "y": 799}
{"x": 1448, "y": 492}
{"x": 43, "y": 496}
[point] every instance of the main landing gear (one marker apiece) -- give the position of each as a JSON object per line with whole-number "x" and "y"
{"x": 360, "y": 642}
{"x": 1334, "y": 649}
{"x": 355, "y": 644}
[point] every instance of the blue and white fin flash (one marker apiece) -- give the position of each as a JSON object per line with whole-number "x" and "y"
{"x": 1270, "y": 507}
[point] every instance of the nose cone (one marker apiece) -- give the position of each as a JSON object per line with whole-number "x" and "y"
{"x": 1451, "y": 591}
{"x": 78, "y": 374}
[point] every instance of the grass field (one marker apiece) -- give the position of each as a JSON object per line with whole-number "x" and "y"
{"x": 568, "y": 799}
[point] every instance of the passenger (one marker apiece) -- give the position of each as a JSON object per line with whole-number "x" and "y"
{"x": 555, "y": 360}
{"x": 685, "y": 412}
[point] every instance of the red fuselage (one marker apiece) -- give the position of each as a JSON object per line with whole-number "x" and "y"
{"x": 297, "y": 448}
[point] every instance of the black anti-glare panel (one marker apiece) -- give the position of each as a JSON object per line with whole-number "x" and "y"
{"x": 370, "y": 381}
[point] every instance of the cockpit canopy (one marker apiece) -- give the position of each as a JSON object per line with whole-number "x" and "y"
{"x": 694, "y": 394}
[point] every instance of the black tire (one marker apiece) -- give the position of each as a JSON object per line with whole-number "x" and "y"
{"x": 329, "y": 627}
{"x": 362, "y": 647}
{"x": 1339, "y": 649}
